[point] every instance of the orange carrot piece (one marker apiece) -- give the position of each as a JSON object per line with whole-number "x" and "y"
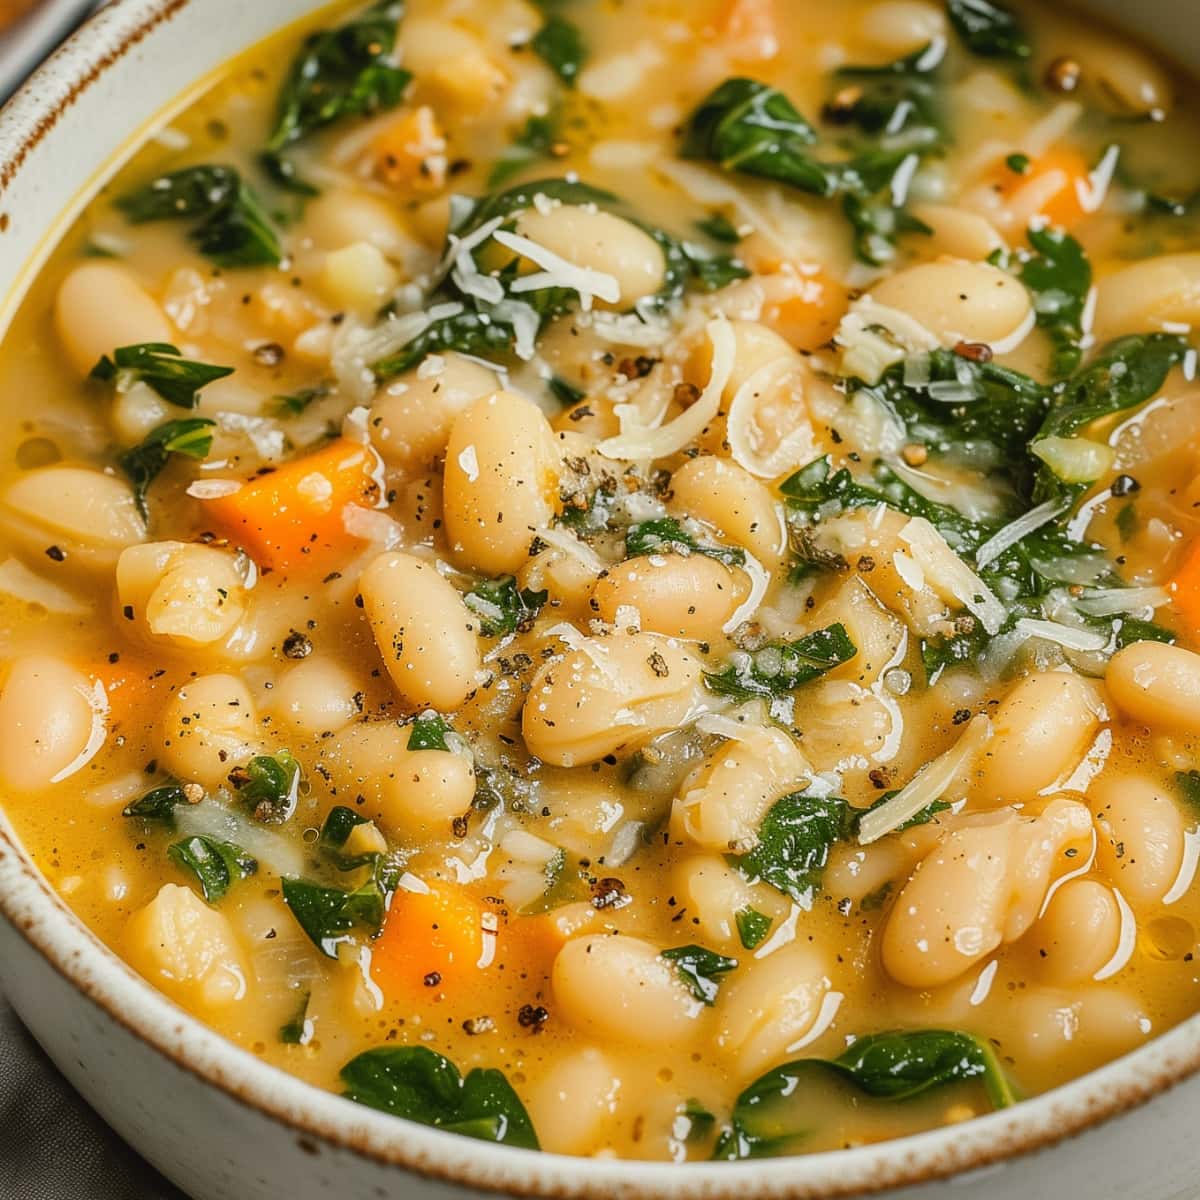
{"x": 1185, "y": 589}
{"x": 1055, "y": 184}
{"x": 410, "y": 152}
{"x": 294, "y": 516}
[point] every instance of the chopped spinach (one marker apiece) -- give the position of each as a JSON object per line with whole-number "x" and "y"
{"x": 780, "y": 667}
{"x": 794, "y": 841}
{"x": 421, "y": 1085}
{"x": 565, "y": 392}
{"x": 298, "y": 1029}
{"x": 232, "y": 227}
{"x": 158, "y": 804}
{"x": 1188, "y": 783}
{"x": 780, "y": 1109}
{"x": 720, "y": 229}
{"x": 713, "y": 271}
{"x": 665, "y": 535}
{"x": 191, "y": 437}
{"x": 560, "y": 45}
{"x": 1060, "y": 277}
{"x": 502, "y": 607}
{"x": 700, "y": 969}
{"x": 214, "y": 863}
{"x": 339, "y": 824}
{"x": 428, "y": 732}
{"x": 536, "y": 140}
{"x": 161, "y": 366}
{"x": 269, "y": 785}
{"x": 752, "y": 926}
{"x": 988, "y": 29}
{"x": 328, "y": 915}
{"x": 698, "y": 1122}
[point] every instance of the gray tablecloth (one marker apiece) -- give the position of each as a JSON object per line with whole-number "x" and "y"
{"x": 52, "y": 1146}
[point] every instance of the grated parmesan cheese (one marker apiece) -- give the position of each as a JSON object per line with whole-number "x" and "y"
{"x": 949, "y": 576}
{"x": 1012, "y": 533}
{"x": 760, "y": 581}
{"x": 557, "y": 272}
{"x": 745, "y": 435}
{"x": 1066, "y": 636}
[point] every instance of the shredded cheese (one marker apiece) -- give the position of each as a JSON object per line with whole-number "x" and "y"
{"x": 1066, "y": 636}
{"x": 949, "y": 576}
{"x": 760, "y": 581}
{"x": 1014, "y": 531}
{"x": 783, "y": 377}
{"x": 557, "y": 272}
{"x": 929, "y": 783}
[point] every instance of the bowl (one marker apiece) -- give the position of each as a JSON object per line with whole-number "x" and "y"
{"x": 223, "y": 1125}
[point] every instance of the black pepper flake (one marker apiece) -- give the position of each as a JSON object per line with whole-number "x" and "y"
{"x": 297, "y": 645}
{"x": 474, "y": 1026}
{"x": 127, "y": 612}
{"x": 532, "y": 1016}
{"x": 56, "y": 553}
{"x": 432, "y": 979}
{"x": 1123, "y": 485}
{"x": 269, "y": 354}
{"x": 658, "y": 665}
{"x": 609, "y": 893}
{"x": 961, "y": 715}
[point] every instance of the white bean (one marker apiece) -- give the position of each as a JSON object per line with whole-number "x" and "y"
{"x": 1079, "y": 932}
{"x": 208, "y": 728}
{"x": 1141, "y": 836}
{"x": 1157, "y": 684}
{"x": 574, "y": 1100}
{"x": 316, "y": 696}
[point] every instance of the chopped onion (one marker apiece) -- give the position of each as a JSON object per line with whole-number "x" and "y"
{"x": 1074, "y": 459}
{"x": 1108, "y": 602}
{"x": 1066, "y": 636}
{"x": 213, "y": 489}
{"x": 929, "y": 783}
{"x": 18, "y": 581}
{"x": 275, "y": 851}
{"x": 568, "y": 543}
{"x": 1014, "y": 531}
{"x": 372, "y": 525}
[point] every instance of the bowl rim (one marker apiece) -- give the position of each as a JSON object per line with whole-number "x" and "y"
{"x": 323, "y": 1120}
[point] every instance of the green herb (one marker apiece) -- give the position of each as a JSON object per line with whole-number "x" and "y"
{"x": 1188, "y": 783}
{"x": 328, "y": 915}
{"x": 336, "y": 829}
{"x": 502, "y": 607}
{"x": 877, "y": 222}
{"x": 794, "y": 841}
{"x": 720, "y": 229}
{"x": 698, "y": 1121}
{"x": 781, "y": 1109}
{"x": 269, "y": 785}
{"x": 560, "y": 45}
{"x": 988, "y": 29}
{"x": 699, "y": 969}
{"x": 780, "y": 667}
{"x": 1127, "y": 521}
{"x": 713, "y": 271}
{"x": 214, "y": 863}
{"x": 752, "y": 926}
{"x": 233, "y": 229}
{"x": 898, "y": 98}
{"x": 419, "y": 1084}
{"x": 428, "y": 732}
{"x": 873, "y": 901}
{"x": 750, "y": 127}
{"x": 298, "y": 1029}
{"x": 535, "y": 141}
{"x": 566, "y": 882}
{"x": 1018, "y": 164}
{"x": 563, "y": 391}
{"x": 1060, "y": 278}
{"x": 1170, "y": 206}
{"x": 298, "y": 402}
{"x": 158, "y": 804}
{"x": 191, "y": 437}
{"x": 162, "y": 367}
{"x": 666, "y": 535}
{"x": 341, "y": 72}
{"x": 1130, "y": 630}
{"x": 470, "y": 332}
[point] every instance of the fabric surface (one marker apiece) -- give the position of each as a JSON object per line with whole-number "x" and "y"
{"x": 52, "y": 1146}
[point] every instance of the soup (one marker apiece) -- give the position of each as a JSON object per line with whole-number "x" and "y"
{"x": 621, "y": 578}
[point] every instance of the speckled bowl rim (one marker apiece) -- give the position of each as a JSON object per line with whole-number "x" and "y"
{"x": 320, "y": 1119}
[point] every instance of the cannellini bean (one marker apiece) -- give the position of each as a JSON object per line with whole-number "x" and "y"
{"x": 1040, "y": 733}
{"x": 424, "y": 631}
{"x": 1078, "y": 1029}
{"x": 411, "y": 416}
{"x": 900, "y": 27}
{"x": 1079, "y": 932}
{"x": 187, "y": 949}
{"x": 340, "y": 217}
{"x": 600, "y": 241}
{"x": 424, "y": 791}
{"x": 452, "y": 61}
{"x": 689, "y": 597}
{"x": 607, "y": 694}
{"x": 138, "y": 410}
{"x": 724, "y": 805}
{"x": 500, "y": 482}
{"x": 571, "y": 1103}
{"x": 569, "y": 578}
{"x": 620, "y": 987}
{"x": 193, "y": 595}
{"x": 317, "y": 695}
{"x": 957, "y": 232}
{"x": 1155, "y": 293}
{"x": 208, "y": 728}
{"x": 1141, "y": 836}
{"x": 739, "y": 507}
{"x": 99, "y": 307}
{"x": 1156, "y": 684}
{"x": 713, "y": 893}
{"x": 358, "y": 277}
{"x": 87, "y": 511}
{"x": 50, "y": 715}
{"x": 771, "y": 1007}
{"x": 961, "y": 301}
{"x": 983, "y": 885}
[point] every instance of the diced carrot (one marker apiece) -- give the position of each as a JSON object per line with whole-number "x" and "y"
{"x": 410, "y": 152}
{"x": 433, "y": 942}
{"x": 1185, "y": 589}
{"x": 804, "y": 306}
{"x": 1054, "y": 186}
{"x": 294, "y": 516}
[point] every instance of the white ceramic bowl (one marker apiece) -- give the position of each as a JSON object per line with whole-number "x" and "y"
{"x": 226, "y": 1127}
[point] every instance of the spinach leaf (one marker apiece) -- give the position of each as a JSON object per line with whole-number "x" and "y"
{"x": 720, "y": 229}
{"x": 191, "y": 437}
{"x": 780, "y": 667}
{"x": 898, "y": 97}
{"x": 713, "y": 271}
{"x": 693, "y": 1122}
{"x": 161, "y": 366}
{"x": 502, "y": 607}
{"x": 158, "y": 804}
{"x": 537, "y": 140}
{"x": 269, "y": 785}
{"x": 988, "y": 29}
{"x": 1188, "y": 783}
{"x": 664, "y": 535}
{"x": 750, "y": 127}
{"x": 214, "y": 863}
{"x": 560, "y": 45}
{"x": 339, "y": 824}
{"x": 295, "y": 403}
{"x": 1060, "y": 277}
{"x": 699, "y": 969}
{"x": 341, "y": 72}
{"x": 1130, "y": 630}
{"x": 479, "y": 334}
{"x": 328, "y": 915}
{"x": 298, "y": 1029}
{"x": 416, "y": 1083}
{"x": 233, "y": 228}
{"x": 794, "y": 841}
{"x": 752, "y": 926}
{"x": 780, "y": 1109}
{"x": 877, "y": 222}
{"x": 565, "y": 392}
{"x": 428, "y": 732}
